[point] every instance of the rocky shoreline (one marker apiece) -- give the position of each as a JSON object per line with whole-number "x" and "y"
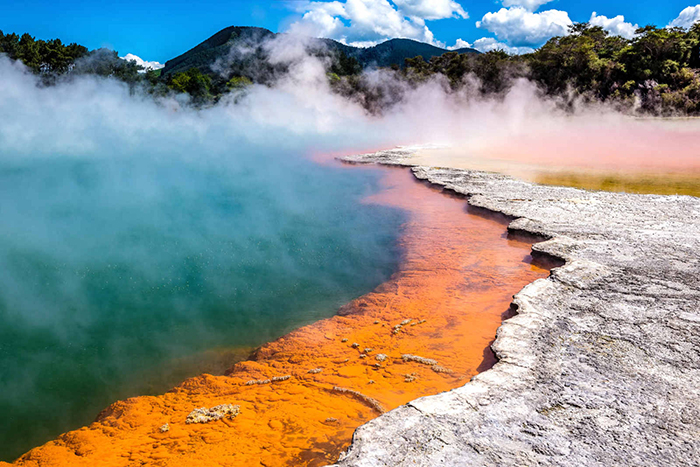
{"x": 601, "y": 365}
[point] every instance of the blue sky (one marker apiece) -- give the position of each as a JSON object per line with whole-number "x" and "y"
{"x": 159, "y": 30}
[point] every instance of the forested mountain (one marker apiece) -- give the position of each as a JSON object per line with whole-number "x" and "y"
{"x": 241, "y": 51}
{"x": 217, "y": 47}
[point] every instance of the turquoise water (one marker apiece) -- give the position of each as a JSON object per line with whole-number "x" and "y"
{"x": 113, "y": 270}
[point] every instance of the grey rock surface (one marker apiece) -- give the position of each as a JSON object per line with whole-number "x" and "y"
{"x": 601, "y": 365}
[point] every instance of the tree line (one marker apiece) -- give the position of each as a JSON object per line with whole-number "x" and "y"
{"x": 657, "y": 72}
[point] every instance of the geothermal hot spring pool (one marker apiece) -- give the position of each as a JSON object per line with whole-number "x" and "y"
{"x": 294, "y": 287}
{"x": 155, "y": 259}
{"x": 124, "y": 276}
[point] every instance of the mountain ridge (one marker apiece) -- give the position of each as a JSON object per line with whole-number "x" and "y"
{"x": 208, "y": 55}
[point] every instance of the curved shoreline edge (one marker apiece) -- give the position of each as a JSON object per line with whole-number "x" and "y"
{"x": 601, "y": 365}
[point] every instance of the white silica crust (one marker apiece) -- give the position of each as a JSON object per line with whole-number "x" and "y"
{"x": 601, "y": 365}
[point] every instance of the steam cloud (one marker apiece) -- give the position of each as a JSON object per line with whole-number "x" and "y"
{"x": 91, "y": 117}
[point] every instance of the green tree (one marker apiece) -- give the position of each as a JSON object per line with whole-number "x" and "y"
{"x": 584, "y": 61}
{"x": 238, "y": 83}
{"x": 105, "y": 62}
{"x": 344, "y": 65}
{"x": 192, "y": 82}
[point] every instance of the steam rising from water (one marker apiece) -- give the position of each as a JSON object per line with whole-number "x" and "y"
{"x": 90, "y": 117}
{"x": 131, "y": 227}
{"x": 134, "y": 232}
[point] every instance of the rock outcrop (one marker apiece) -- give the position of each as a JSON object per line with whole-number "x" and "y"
{"x": 601, "y": 365}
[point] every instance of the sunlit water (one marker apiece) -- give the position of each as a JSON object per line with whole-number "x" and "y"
{"x": 115, "y": 271}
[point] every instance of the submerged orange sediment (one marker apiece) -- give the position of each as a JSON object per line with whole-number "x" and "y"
{"x": 299, "y": 398}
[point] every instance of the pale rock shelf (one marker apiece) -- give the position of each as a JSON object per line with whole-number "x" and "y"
{"x": 601, "y": 365}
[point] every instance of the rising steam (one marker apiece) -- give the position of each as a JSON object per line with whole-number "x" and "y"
{"x": 91, "y": 116}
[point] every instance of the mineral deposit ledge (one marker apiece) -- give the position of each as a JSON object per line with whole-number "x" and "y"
{"x": 600, "y": 367}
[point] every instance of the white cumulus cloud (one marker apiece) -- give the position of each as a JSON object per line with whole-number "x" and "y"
{"x": 142, "y": 62}
{"x": 487, "y": 44}
{"x": 321, "y": 19}
{"x": 687, "y": 17}
{"x": 616, "y": 26}
{"x": 520, "y": 27}
{"x": 367, "y": 22}
{"x": 431, "y": 9}
{"x": 531, "y": 5}
{"x": 460, "y": 44}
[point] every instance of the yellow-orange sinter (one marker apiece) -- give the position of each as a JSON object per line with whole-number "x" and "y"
{"x": 424, "y": 331}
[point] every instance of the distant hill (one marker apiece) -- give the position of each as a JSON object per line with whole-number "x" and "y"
{"x": 241, "y": 48}
{"x": 395, "y": 51}
{"x": 217, "y": 47}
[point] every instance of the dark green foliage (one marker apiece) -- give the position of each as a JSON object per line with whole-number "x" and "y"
{"x": 192, "y": 82}
{"x": 495, "y": 70}
{"x": 238, "y": 83}
{"x": 657, "y": 71}
{"x": 228, "y": 61}
{"x": 417, "y": 69}
{"x": 51, "y": 59}
{"x": 343, "y": 64}
{"x": 587, "y": 60}
{"x": 218, "y": 48}
{"x": 41, "y": 56}
{"x": 396, "y": 51}
{"x": 375, "y": 95}
{"x": 106, "y": 63}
